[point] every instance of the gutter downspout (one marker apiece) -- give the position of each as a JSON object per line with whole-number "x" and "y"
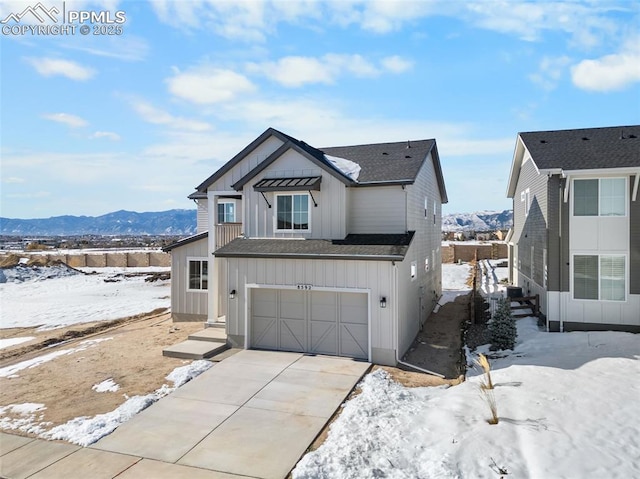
{"x": 561, "y": 247}
{"x": 397, "y": 325}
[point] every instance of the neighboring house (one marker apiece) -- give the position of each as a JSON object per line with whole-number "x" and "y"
{"x": 576, "y": 232}
{"x": 338, "y": 250}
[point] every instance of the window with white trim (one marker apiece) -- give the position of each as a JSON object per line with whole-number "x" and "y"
{"x": 292, "y": 212}
{"x": 600, "y": 197}
{"x": 414, "y": 269}
{"x": 226, "y": 212}
{"x": 599, "y": 277}
{"x": 197, "y": 274}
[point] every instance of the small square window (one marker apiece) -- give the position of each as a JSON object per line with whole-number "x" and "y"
{"x": 292, "y": 212}
{"x": 414, "y": 269}
{"x": 198, "y": 278}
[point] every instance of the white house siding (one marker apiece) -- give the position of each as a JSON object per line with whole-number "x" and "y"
{"x": 411, "y": 307}
{"x": 243, "y": 167}
{"x": 427, "y": 240}
{"x": 187, "y": 305}
{"x": 202, "y": 219}
{"x": 378, "y": 210}
{"x": 373, "y": 277}
{"x": 328, "y": 219}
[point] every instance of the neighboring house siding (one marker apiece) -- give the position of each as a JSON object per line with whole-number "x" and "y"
{"x": 374, "y": 276}
{"x": 328, "y": 219}
{"x": 530, "y": 230}
{"x": 202, "y": 219}
{"x": 634, "y": 242}
{"x": 187, "y": 305}
{"x": 378, "y": 209}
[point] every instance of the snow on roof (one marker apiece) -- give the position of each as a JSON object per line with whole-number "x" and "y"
{"x": 347, "y": 167}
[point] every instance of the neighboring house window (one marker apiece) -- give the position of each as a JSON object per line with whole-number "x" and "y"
{"x": 226, "y": 212}
{"x": 525, "y": 197}
{"x": 414, "y": 269}
{"x": 198, "y": 274}
{"x": 426, "y": 206}
{"x": 426, "y": 264}
{"x": 599, "y": 197}
{"x": 292, "y": 212}
{"x": 599, "y": 277}
{"x": 435, "y": 212}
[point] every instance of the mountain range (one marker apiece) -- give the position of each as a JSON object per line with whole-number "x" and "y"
{"x": 183, "y": 222}
{"x": 171, "y": 222}
{"x": 478, "y": 221}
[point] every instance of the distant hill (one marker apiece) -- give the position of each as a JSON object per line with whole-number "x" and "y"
{"x": 479, "y": 221}
{"x": 171, "y": 222}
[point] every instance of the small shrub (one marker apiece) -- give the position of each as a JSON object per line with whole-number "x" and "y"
{"x": 483, "y": 362}
{"x": 502, "y": 328}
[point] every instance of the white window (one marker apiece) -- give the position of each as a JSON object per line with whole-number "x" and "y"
{"x": 426, "y": 207}
{"x": 435, "y": 212}
{"x": 414, "y": 269}
{"x": 599, "y": 277}
{"x": 197, "y": 274}
{"x": 292, "y": 212}
{"x": 226, "y": 212}
{"x": 525, "y": 197}
{"x": 426, "y": 264}
{"x": 600, "y": 197}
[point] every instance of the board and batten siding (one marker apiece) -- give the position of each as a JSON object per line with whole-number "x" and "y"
{"x": 377, "y": 210}
{"x": 187, "y": 305}
{"x": 327, "y": 220}
{"x": 634, "y": 241}
{"x": 260, "y": 153}
{"x": 372, "y": 276}
{"x": 202, "y": 218}
{"x": 428, "y": 238}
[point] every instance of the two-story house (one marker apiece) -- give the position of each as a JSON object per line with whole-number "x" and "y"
{"x": 576, "y": 232}
{"x": 336, "y": 250}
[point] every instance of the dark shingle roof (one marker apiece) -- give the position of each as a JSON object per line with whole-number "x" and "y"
{"x": 383, "y": 247}
{"x": 585, "y": 149}
{"x": 386, "y": 162}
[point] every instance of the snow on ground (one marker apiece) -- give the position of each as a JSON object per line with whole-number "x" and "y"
{"x": 5, "y": 343}
{"x": 63, "y": 299}
{"x": 454, "y": 277}
{"x": 106, "y": 386}
{"x": 10, "y": 371}
{"x": 567, "y": 406}
{"x": 87, "y": 430}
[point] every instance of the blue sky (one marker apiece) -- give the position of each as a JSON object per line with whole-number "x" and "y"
{"x": 97, "y": 123}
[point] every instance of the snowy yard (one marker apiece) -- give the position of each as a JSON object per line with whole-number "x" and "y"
{"x": 567, "y": 407}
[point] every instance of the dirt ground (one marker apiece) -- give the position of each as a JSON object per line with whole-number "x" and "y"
{"x": 132, "y": 358}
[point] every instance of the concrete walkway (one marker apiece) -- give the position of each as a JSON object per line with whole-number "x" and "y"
{"x": 252, "y": 415}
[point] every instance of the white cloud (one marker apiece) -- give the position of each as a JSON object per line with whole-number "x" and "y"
{"x": 550, "y": 71}
{"x": 610, "y": 72}
{"x": 154, "y": 115}
{"x": 55, "y": 66}
{"x": 72, "y": 121}
{"x": 13, "y": 180}
{"x": 207, "y": 85}
{"x": 396, "y": 64}
{"x": 109, "y": 135}
{"x": 296, "y": 71}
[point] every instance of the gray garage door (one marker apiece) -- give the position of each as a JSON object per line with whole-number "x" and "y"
{"x": 320, "y": 322}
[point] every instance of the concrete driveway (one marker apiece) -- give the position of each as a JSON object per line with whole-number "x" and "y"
{"x": 253, "y": 414}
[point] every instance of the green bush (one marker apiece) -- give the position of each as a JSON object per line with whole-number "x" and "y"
{"x": 502, "y": 328}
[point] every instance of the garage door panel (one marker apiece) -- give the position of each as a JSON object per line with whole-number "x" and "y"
{"x": 353, "y": 308}
{"x": 265, "y": 302}
{"x": 354, "y": 341}
{"x": 324, "y": 337}
{"x": 264, "y": 332}
{"x": 292, "y": 304}
{"x": 293, "y": 335}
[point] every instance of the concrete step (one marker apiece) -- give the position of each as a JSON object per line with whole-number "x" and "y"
{"x": 216, "y": 335}
{"x": 194, "y": 349}
{"x": 216, "y": 325}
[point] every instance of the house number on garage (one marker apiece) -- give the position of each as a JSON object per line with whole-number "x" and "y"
{"x": 305, "y": 287}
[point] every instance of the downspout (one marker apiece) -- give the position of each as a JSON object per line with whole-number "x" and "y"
{"x": 561, "y": 249}
{"x": 396, "y": 321}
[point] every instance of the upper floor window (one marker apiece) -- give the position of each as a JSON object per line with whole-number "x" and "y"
{"x": 599, "y": 197}
{"x": 292, "y": 212}
{"x": 198, "y": 274}
{"x": 525, "y": 197}
{"x": 226, "y": 212}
